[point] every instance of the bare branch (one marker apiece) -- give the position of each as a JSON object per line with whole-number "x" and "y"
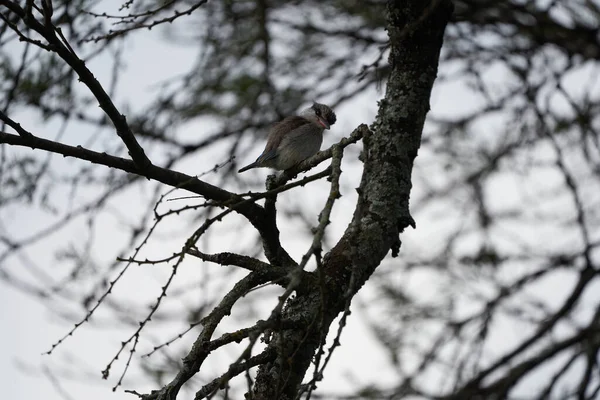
{"x": 85, "y": 75}
{"x": 172, "y": 178}
{"x": 249, "y": 263}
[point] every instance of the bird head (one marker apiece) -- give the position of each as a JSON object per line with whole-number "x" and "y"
{"x": 320, "y": 114}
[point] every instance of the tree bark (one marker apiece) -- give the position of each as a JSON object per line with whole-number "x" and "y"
{"x": 416, "y": 30}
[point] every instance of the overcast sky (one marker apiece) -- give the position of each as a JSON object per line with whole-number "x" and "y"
{"x": 30, "y": 326}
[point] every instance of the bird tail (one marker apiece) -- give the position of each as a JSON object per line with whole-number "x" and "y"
{"x": 249, "y": 166}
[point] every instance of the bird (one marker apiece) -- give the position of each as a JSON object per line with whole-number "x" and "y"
{"x": 295, "y": 138}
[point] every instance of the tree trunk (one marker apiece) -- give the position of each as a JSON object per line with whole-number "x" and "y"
{"x": 416, "y": 30}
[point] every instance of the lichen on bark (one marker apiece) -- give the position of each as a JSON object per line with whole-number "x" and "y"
{"x": 416, "y": 31}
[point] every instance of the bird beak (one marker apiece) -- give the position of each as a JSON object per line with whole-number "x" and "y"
{"x": 324, "y": 123}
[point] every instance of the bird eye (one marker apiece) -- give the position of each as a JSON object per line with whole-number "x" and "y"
{"x": 318, "y": 112}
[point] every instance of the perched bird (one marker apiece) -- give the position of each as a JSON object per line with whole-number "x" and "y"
{"x": 295, "y": 138}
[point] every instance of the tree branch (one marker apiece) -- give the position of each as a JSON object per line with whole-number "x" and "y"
{"x": 252, "y": 211}
{"x": 87, "y": 78}
{"x": 416, "y": 30}
{"x": 201, "y": 348}
{"x": 249, "y": 263}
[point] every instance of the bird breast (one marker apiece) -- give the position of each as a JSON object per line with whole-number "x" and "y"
{"x": 299, "y": 144}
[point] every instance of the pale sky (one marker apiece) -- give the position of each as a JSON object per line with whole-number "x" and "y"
{"x": 29, "y": 327}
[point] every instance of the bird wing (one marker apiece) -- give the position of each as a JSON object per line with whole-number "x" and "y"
{"x": 278, "y": 132}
